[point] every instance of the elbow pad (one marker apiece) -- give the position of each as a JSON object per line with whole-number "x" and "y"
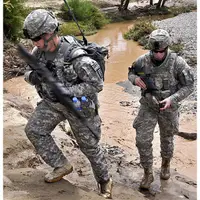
{"x": 186, "y": 77}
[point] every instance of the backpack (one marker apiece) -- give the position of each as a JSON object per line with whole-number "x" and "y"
{"x": 94, "y": 51}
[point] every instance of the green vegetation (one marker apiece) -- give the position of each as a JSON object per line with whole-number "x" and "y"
{"x": 139, "y": 32}
{"x": 177, "y": 48}
{"x": 70, "y": 28}
{"x": 178, "y": 10}
{"x": 140, "y": 29}
{"x": 86, "y": 13}
{"x": 192, "y": 61}
{"x": 89, "y": 17}
{"x": 14, "y": 14}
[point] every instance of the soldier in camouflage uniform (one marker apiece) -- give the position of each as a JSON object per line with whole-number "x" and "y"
{"x": 165, "y": 79}
{"x": 80, "y": 79}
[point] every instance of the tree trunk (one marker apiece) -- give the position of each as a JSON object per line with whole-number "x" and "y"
{"x": 163, "y": 3}
{"x": 158, "y": 4}
{"x": 151, "y": 2}
{"x": 121, "y": 5}
{"x": 126, "y": 4}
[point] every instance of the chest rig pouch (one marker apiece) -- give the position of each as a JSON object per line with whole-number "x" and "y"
{"x": 163, "y": 77}
{"x": 61, "y": 71}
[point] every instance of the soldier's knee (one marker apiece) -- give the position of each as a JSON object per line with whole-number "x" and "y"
{"x": 90, "y": 150}
{"x": 139, "y": 144}
{"x": 143, "y": 144}
{"x": 139, "y": 141}
{"x": 30, "y": 132}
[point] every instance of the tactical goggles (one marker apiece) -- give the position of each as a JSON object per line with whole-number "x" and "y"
{"x": 36, "y": 39}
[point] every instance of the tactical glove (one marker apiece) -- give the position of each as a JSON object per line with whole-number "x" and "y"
{"x": 33, "y": 77}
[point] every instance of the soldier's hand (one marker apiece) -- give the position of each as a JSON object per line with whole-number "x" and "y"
{"x": 166, "y": 103}
{"x": 140, "y": 83}
{"x": 35, "y": 78}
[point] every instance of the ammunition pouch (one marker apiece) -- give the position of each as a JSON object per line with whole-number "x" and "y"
{"x": 152, "y": 99}
{"x": 90, "y": 109}
{"x": 159, "y": 94}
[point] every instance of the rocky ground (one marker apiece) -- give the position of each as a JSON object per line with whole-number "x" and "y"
{"x": 182, "y": 29}
{"x": 24, "y": 170}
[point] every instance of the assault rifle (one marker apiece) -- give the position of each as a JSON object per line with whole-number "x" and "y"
{"x": 58, "y": 88}
{"x": 146, "y": 78}
{"x": 151, "y": 88}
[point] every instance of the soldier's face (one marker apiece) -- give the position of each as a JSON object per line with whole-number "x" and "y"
{"x": 39, "y": 42}
{"x": 160, "y": 54}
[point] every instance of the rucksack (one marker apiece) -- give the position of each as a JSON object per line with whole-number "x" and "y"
{"x": 94, "y": 51}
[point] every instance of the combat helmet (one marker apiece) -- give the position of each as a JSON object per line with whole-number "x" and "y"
{"x": 159, "y": 39}
{"x": 38, "y": 22}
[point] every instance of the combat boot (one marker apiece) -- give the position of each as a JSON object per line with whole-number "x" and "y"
{"x": 165, "y": 169}
{"x": 106, "y": 189}
{"x": 147, "y": 178}
{"x": 58, "y": 173}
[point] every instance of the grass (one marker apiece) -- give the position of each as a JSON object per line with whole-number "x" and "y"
{"x": 178, "y": 10}
{"x": 177, "y": 48}
{"x": 140, "y": 32}
{"x": 89, "y": 17}
{"x": 70, "y": 28}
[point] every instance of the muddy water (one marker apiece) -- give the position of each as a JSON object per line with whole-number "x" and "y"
{"x": 117, "y": 119}
{"x": 122, "y": 52}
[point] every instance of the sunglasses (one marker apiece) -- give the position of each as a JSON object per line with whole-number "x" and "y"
{"x": 36, "y": 39}
{"x": 161, "y": 51}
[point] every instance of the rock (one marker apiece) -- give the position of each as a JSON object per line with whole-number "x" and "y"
{"x": 6, "y": 182}
{"x": 125, "y": 103}
{"x": 18, "y": 103}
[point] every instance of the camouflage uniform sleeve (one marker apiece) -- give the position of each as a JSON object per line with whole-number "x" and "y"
{"x": 29, "y": 71}
{"x": 132, "y": 72}
{"x": 89, "y": 72}
{"x": 185, "y": 78}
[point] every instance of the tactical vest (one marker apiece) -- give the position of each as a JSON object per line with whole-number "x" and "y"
{"x": 64, "y": 73}
{"x": 163, "y": 76}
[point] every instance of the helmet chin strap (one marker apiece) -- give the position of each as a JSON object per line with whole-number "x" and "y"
{"x": 47, "y": 40}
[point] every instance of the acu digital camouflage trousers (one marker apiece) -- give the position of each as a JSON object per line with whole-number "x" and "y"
{"x": 43, "y": 121}
{"x": 145, "y": 123}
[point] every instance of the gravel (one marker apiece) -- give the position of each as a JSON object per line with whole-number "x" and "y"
{"x": 183, "y": 28}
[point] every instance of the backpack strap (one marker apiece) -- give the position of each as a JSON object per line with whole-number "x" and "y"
{"x": 72, "y": 40}
{"x": 73, "y": 52}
